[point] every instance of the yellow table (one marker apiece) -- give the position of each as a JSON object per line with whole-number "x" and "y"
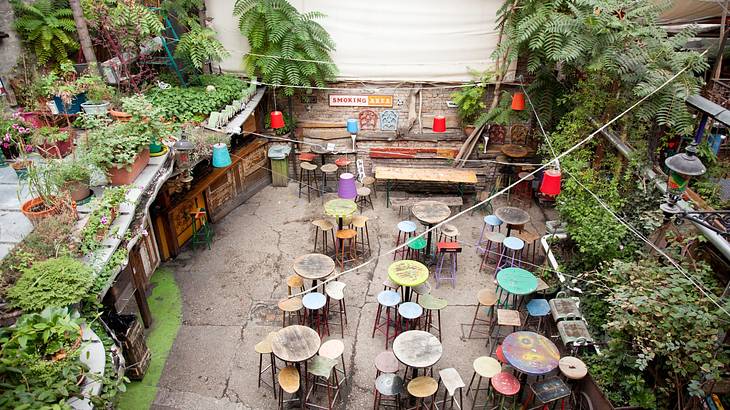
{"x": 408, "y": 273}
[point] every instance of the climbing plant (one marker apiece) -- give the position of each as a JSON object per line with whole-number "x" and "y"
{"x": 47, "y": 27}
{"x": 287, "y": 47}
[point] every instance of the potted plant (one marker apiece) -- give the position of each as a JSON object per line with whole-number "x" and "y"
{"x": 52, "y": 141}
{"x": 99, "y": 224}
{"x": 46, "y": 199}
{"x": 147, "y": 121}
{"x": 75, "y": 175}
{"x": 63, "y": 87}
{"x": 470, "y": 101}
{"x": 97, "y": 93}
{"x": 120, "y": 150}
{"x": 15, "y": 133}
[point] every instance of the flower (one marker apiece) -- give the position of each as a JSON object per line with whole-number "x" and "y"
{"x": 7, "y": 137}
{"x": 144, "y": 232}
{"x": 16, "y": 114}
{"x": 28, "y": 148}
{"x": 104, "y": 220}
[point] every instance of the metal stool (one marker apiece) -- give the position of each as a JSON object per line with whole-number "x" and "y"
{"x": 327, "y": 169}
{"x": 511, "y": 249}
{"x": 485, "y": 367}
{"x": 345, "y": 239}
{"x": 452, "y": 382}
{"x": 507, "y": 318}
{"x": 390, "y": 285}
{"x": 488, "y": 299}
{"x": 334, "y": 349}
{"x": 388, "y": 299}
{"x": 288, "y": 308}
{"x": 490, "y": 222}
{"x": 532, "y": 243}
{"x": 294, "y": 281}
{"x": 391, "y": 386}
{"x": 385, "y": 362}
{"x": 537, "y": 308}
{"x": 202, "y": 232}
{"x": 335, "y": 290}
{"x": 289, "y": 382}
{"x": 326, "y": 227}
{"x": 421, "y": 388}
{"x": 409, "y": 315}
{"x": 452, "y": 249}
{"x": 264, "y": 348}
{"x": 573, "y": 370}
{"x": 420, "y": 290}
{"x": 495, "y": 239}
{"x": 416, "y": 248}
{"x": 506, "y": 385}
{"x": 430, "y": 304}
{"x": 360, "y": 224}
{"x": 448, "y": 233}
{"x": 363, "y": 198}
{"x": 311, "y": 174}
{"x": 523, "y": 190}
{"x": 343, "y": 164}
{"x": 406, "y": 230}
{"x": 369, "y": 182}
{"x": 323, "y": 374}
{"x": 315, "y": 315}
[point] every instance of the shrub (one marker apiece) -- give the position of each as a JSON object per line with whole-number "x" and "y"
{"x": 55, "y": 282}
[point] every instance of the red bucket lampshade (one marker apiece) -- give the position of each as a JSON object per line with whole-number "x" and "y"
{"x": 518, "y": 101}
{"x": 277, "y": 120}
{"x": 439, "y": 123}
{"x": 550, "y": 182}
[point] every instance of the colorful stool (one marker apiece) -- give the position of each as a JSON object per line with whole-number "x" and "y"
{"x": 334, "y": 349}
{"x": 288, "y": 308}
{"x": 346, "y": 239}
{"x": 315, "y": 314}
{"x": 390, "y": 386}
{"x": 410, "y": 316}
{"x": 452, "y": 382}
{"x": 387, "y": 299}
{"x": 342, "y": 165}
{"x": 510, "y": 255}
{"x": 537, "y": 308}
{"x": 326, "y": 227}
{"x": 484, "y": 367}
{"x": 386, "y": 362}
{"x": 421, "y": 388}
{"x": 490, "y": 223}
{"x": 323, "y": 375}
{"x": 452, "y": 249}
{"x": 202, "y": 232}
{"x": 506, "y": 385}
{"x": 416, "y": 248}
{"x": 432, "y": 304}
{"x": 335, "y": 290}
{"x": 294, "y": 281}
{"x": 488, "y": 299}
{"x": 264, "y": 348}
{"x": 309, "y": 171}
{"x": 360, "y": 224}
{"x": 406, "y": 230}
{"x": 289, "y": 383}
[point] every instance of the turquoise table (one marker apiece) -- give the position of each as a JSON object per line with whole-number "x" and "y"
{"x": 516, "y": 282}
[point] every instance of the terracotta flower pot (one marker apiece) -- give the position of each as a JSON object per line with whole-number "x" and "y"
{"x": 120, "y": 115}
{"x": 59, "y": 149}
{"x": 468, "y": 129}
{"x": 127, "y": 174}
{"x": 78, "y": 190}
{"x": 35, "y": 210}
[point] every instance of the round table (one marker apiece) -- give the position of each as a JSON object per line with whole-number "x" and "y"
{"x": 417, "y": 349}
{"x": 296, "y": 344}
{"x": 514, "y": 151}
{"x": 516, "y": 282}
{"x": 407, "y": 273}
{"x": 430, "y": 213}
{"x": 512, "y": 217}
{"x": 340, "y": 208}
{"x": 314, "y": 266}
{"x": 530, "y": 353}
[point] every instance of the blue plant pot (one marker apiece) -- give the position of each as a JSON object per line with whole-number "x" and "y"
{"x": 74, "y": 107}
{"x": 221, "y": 157}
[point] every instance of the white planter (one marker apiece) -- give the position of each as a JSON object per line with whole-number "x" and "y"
{"x": 95, "y": 109}
{"x": 93, "y": 355}
{"x": 52, "y": 106}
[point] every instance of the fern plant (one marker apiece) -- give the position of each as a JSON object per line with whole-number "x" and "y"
{"x": 47, "y": 27}
{"x": 287, "y": 47}
{"x": 200, "y": 45}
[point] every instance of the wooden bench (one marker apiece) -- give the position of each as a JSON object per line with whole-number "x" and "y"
{"x": 437, "y": 175}
{"x": 402, "y": 202}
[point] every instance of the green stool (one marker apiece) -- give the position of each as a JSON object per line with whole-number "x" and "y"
{"x": 203, "y": 234}
{"x": 416, "y": 248}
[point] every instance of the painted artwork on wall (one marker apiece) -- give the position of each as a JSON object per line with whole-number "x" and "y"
{"x": 389, "y": 120}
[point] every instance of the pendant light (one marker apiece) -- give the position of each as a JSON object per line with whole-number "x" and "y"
{"x": 518, "y": 101}
{"x": 277, "y": 118}
{"x": 439, "y": 123}
{"x": 550, "y": 184}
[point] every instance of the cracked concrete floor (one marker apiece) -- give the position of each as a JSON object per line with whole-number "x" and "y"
{"x": 230, "y": 293}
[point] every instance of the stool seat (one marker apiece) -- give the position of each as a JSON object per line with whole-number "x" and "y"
{"x": 314, "y": 301}
{"x": 496, "y": 237}
{"x": 307, "y": 166}
{"x": 291, "y": 304}
{"x": 451, "y": 379}
{"x": 431, "y": 302}
{"x": 525, "y": 176}
{"x": 507, "y": 317}
{"x": 449, "y": 230}
{"x": 492, "y": 220}
{"x": 386, "y": 362}
{"x": 422, "y": 289}
{"x": 332, "y": 349}
{"x": 573, "y": 368}
{"x": 487, "y": 297}
{"x": 422, "y": 387}
{"x": 289, "y": 379}
{"x": 359, "y": 221}
{"x": 307, "y": 156}
{"x": 486, "y": 366}
{"x": 526, "y": 236}
{"x": 363, "y": 191}
{"x": 335, "y": 289}
{"x": 388, "y": 298}
{"x": 417, "y": 244}
{"x": 264, "y": 346}
{"x": 295, "y": 281}
{"x": 448, "y": 247}
{"x": 390, "y": 284}
{"x": 538, "y": 307}
{"x": 346, "y": 234}
{"x": 368, "y": 180}
{"x": 328, "y": 168}
{"x": 342, "y": 162}
{"x": 389, "y": 384}
{"x": 513, "y": 243}
{"x": 500, "y": 354}
{"x": 321, "y": 366}
{"x": 407, "y": 226}
{"x": 323, "y": 224}
{"x": 410, "y": 310}
{"x": 506, "y": 384}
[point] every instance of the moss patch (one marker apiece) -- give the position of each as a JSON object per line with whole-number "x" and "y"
{"x": 166, "y": 307}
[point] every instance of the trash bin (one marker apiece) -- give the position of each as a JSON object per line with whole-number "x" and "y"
{"x": 279, "y": 155}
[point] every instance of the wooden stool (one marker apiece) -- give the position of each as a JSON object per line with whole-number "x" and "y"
{"x": 510, "y": 255}
{"x": 306, "y": 157}
{"x": 507, "y": 318}
{"x": 289, "y": 383}
{"x": 499, "y": 354}
{"x": 335, "y": 290}
{"x": 573, "y": 369}
{"x": 264, "y": 348}
{"x": 311, "y": 174}
{"x": 416, "y": 248}
{"x": 421, "y": 388}
{"x": 386, "y": 362}
{"x": 321, "y": 369}
{"x": 537, "y": 308}
{"x": 334, "y": 349}
{"x": 452, "y": 382}
{"x": 523, "y": 190}
{"x": 363, "y": 198}
{"x": 448, "y": 233}
{"x": 342, "y": 165}
{"x": 492, "y": 247}
{"x": 486, "y": 367}
{"x": 387, "y": 299}
{"x": 326, "y": 227}
{"x": 506, "y": 385}
{"x": 390, "y": 285}
{"x": 288, "y": 308}
{"x": 369, "y": 182}
{"x": 422, "y": 289}
{"x": 486, "y": 298}
{"x": 452, "y": 249}
{"x": 360, "y": 224}
{"x": 491, "y": 222}
{"x": 410, "y": 316}
{"x": 327, "y": 169}
{"x": 390, "y": 386}
{"x": 430, "y": 304}
{"x": 532, "y": 243}
{"x": 294, "y": 281}
{"x": 202, "y": 232}
{"x": 406, "y": 230}
{"x": 315, "y": 314}
{"x": 346, "y": 239}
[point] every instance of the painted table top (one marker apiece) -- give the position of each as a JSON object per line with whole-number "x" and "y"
{"x": 427, "y": 174}
{"x": 416, "y": 348}
{"x": 314, "y": 266}
{"x": 340, "y": 208}
{"x": 408, "y": 272}
{"x": 514, "y": 151}
{"x": 512, "y": 215}
{"x": 530, "y": 353}
{"x": 430, "y": 212}
{"x": 295, "y": 343}
{"x": 517, "y": 281}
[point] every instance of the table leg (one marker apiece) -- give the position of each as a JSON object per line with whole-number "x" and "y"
{"x": 387, "y": 193}
{"x": 339, "y": 223}
{"x": 428, "y": 242}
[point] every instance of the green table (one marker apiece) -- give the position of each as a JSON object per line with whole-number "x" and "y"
{"x": 516, "y": 282}
{"x": 340, "y": 208}
{"x": 408, "y": 273}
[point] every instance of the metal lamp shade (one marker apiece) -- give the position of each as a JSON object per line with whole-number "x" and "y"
{"x": 551, "y": 182}
{"x": 683, "y": 166}
{"x": 277, "y": 120}
{"x": 518, "y": 101}
{"x": 346, "y": 189}
{"x": 352, "y": 126}
{"x": 439, "y": 123}
{"x": 221, "y": 157}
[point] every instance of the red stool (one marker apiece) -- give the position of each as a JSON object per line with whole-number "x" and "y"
{"x": 342, "y": 165}
{"x": 306, "y": 157}
{"x": 506, "y": 385}
{"x": 452, "y": 249}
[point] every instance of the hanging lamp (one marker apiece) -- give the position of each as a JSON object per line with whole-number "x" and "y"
{"x": 439, "y": 123}
{"x": 277, "y": 118}
{"x": 550, "y": 184}
{"x": 518, "y": 101}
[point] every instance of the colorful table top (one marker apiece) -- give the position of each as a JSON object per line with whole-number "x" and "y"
{"x": 314, "y": 266}
{"x": 340, "y": 208}
{"x": 295, "y": 343}
{"x": 517, "y": 281}
{"x": 530, "y": 353}
{"x": 430, "y": 212}
{"x": 416, "y": 348}
{"x": 407, "y": 272}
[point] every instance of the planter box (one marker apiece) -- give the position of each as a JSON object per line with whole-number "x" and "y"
{"x": 95, "y": 109}
{"x": 73, "y": 108}
{"x": 598, "y": 399}
{"x": 126, "y": 175}
{"x": 58, "y": 149}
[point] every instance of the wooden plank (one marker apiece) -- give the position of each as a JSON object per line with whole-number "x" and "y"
{"x": 321, "y": 124}
{"x": 426, "y": 174}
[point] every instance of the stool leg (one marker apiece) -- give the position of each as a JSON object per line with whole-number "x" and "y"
{"x": 377, "y": 318}
{"x": 273, "y": 373}
{"x": 316, "y": 236}
{"x": 472, "y": 327}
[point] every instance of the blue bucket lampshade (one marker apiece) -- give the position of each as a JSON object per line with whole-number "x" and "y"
{"x": 346, "y": 188}
{"x": 352, "y": 126}
{"x": 221, "y": 157}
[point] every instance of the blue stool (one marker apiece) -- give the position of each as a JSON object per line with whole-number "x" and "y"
{"x": 537, "y": 308}
{"x": 411, "y": 314}
{"x": 406, "y": 230}
{"x": 388, "y": 299}
{"x": 492, "y": 222}
{"x": 511, "y": 250}
{"x": 314, "y": 313}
